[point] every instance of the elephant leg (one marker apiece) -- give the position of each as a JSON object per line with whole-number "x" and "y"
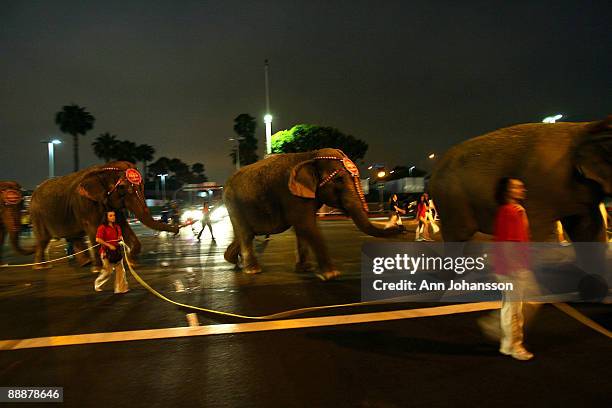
{"x": 2, "y": 234}
{"x": 232, "y": 252}
{"x": 457, "y": 220}
{"x": 303, "y": 252}
{"x": 306, "y": 229}
{"x": 41, "y": 248}
{"x": 588, "y": 228}
{"x": 243, "y": 239}
{"x": 97, "y": 261}
{"x": 83, "y": 259}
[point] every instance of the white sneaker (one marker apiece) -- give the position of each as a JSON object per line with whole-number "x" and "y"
{"x": 518, "y": 353}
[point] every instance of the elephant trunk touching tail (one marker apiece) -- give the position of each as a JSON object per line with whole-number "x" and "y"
{"x": 361, "y": 220}
{"x": 12, "y": 220}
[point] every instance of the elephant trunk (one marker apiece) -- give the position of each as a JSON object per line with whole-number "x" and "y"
{"x": 12, "y": 220}
{"x": 361, "y": 220}
{"x": 140, "y": 209}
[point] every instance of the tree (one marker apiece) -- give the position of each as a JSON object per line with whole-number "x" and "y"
{"x": 126, "y": 150}
{"x": 304, "y": 138}
{"x": 105, "y": 146}
{"x": 145, "y": 153}
{"x": 74, "y": 120}
{"x": 198, "y": 176}
{"x": 245, "y": 126}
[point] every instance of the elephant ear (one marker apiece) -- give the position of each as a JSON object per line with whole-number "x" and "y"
{"x": 594, "y": 154}
{"x": 303, "y": 179}
{"x": 93, "y": 187}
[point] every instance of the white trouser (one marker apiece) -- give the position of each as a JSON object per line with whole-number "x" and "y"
{"x": 121, "y": 284}
{"x": 517, "y": 309}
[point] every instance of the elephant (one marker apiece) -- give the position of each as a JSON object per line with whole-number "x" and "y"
{"x": 11, "y": 203}
{"x": 286, "y": 190}
{"x": 73, "y": 206}
{"x": 566, "y": 168}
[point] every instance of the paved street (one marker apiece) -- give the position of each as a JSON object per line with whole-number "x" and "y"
{"x": 442, "y": 359}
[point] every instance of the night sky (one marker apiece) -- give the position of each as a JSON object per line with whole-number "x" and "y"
{"x": 407, "y": 77}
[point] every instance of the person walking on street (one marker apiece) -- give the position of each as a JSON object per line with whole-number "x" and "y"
{"x": 108, "y": 236}
{"x": 206, "y": 221}
{"x": 511, "y": 262}
{"x": 423, "y": 222}
{"x": 396, "y": 210}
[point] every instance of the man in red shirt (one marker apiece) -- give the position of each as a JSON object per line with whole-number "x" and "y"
{"x": 511, "y": 234}
{"x": 108, "y": 236}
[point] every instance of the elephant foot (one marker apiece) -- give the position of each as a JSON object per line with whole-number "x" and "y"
{"x": 304, "y": 267}
{"x": 328, "y": 275}
{"x": 251, "y": 270}
{"x": 43, "y": 266}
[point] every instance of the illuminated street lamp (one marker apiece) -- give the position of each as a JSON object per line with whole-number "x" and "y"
{"x": 50, "y": 146}
{"x": 432, "y": 156}
{"x": 268, "y": 122}
{"x": 552, "y": 119}
{"x": 381, "y": 186}
{"x": 163, "y": 183}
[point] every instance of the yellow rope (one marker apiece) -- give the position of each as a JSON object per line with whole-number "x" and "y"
{"x": 274, "y": 316}
{"x": 45, "y": 262}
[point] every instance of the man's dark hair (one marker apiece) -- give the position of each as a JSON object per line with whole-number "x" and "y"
{"x": 502, "y": 189}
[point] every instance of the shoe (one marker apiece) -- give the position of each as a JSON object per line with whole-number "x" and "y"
{"x": 329, "y": 275}
{"x": 565, "y": 243}
{"x": 518, "y": 353}
{"x": 419, "y": 239}
{"x": 428, "y": 239}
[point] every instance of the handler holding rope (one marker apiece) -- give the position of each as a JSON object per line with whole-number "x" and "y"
{"x": 109, "y": 236}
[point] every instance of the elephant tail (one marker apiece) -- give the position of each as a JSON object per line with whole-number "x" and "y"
{"x": 232, "y": 252}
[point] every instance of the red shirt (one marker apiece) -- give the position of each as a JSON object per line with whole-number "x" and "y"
{"x": 511, "y": 225}
{"x": 109, "y": 234}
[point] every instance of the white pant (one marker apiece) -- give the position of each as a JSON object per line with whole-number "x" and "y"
{"x": 516, "y": 308}
{"x": 121, "y": 284}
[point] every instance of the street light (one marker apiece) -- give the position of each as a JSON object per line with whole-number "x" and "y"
{"x": 268, "y": 122}
{"x": 237, "y": 140}
{"x": 50, "y": 146}
{"x": 381, "y": 187}
{"x": 410, "y": 170}
{"x": 432, "y": 156}
{"x": 552, "y": 119}
{"x": 163, "y": 183}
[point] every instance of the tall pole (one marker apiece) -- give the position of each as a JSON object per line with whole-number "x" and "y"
{"x": 51, "y": 160}
{"x": 268, "y": 116}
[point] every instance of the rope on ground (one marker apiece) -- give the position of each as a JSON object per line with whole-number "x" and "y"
{"x": 274, "y": 316}
{"x": 50, "y": 261}
{"x": 570, "y": 311}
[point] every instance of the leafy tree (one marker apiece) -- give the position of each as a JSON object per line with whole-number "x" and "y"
{"x": 160, "y": 166}
{"x": 105, "y": 146}
{"x": 245, "y": 126}
{"x": 145, "y": 154}
{"x": 74, "y": 120}
{"x": 126, "y": 150}
{"x": 304, "y": 138}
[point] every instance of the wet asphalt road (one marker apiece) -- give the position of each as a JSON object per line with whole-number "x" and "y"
{"x": 437, "y": 361}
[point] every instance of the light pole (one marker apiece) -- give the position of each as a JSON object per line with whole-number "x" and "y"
{"x": 381, "y": 187}
{"x": 552, "y": 119}
{"x": 268, "y": 116}
{"x": 163, "y": 183}
{"x": 51, "y": 147}
{"x": 237, "y": 140}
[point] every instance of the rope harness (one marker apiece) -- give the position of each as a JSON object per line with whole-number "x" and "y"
{"x": 353, "y": 172}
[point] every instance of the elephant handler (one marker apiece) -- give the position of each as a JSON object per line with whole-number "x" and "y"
{"x": 511, "y": 236}
{"x": 108, "y": 236}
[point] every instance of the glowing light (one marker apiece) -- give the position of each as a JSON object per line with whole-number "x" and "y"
{"x": 552, "y": 119}
{"x": 381, "y": 174}
{"x": 56, "y": 141}
{"x": 218, "y": 213}
{"x": 268, "y": 118}
{"x": 432, "y": 156}
{"x": 191, "y": 215}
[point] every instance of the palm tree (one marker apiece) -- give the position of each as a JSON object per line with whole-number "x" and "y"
{"x": 105, "y": 146}
{"x": 126, "y": 150}
{"x": 74, "y": 120}
{"x": 145, "y": 153}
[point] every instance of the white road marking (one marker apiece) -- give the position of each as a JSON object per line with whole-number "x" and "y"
{"x": 215, "y": 329}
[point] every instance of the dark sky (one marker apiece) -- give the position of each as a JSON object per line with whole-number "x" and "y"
{"x": 407, "y": 77}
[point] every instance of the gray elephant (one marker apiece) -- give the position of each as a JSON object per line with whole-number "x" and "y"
{"x": 11, "y": 203}
{"x": 72, "y": 206}
{"x": 286, "y": 190}
{"x": 566, "y": 167}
